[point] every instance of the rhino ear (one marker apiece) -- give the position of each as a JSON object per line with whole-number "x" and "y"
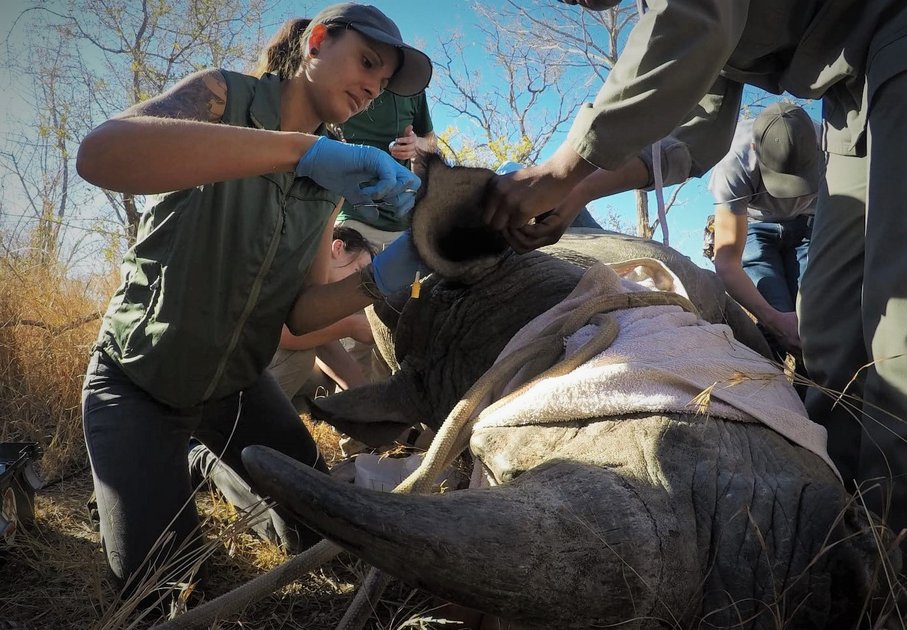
{"x": 374, "y": 414}
{"x": 447, "y": 227}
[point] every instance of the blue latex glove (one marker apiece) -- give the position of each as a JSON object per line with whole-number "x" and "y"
{"x": 394, "y": 268}
{"x": 344, "y": 168}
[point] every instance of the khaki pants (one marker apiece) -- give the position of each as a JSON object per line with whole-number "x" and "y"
{"x": 291, "y": 369}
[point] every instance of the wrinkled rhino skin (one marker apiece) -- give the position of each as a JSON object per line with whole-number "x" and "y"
{"x": 482, "y": 318}
{"x": 644, "y": 520}
{"x": 731, "y": 536}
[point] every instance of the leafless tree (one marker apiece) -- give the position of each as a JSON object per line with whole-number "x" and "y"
{"x": 529, "y": 85}
{"x": 543, "y": 59}
{"x": 36, "y": 153}
{"x": 107, "y": 55}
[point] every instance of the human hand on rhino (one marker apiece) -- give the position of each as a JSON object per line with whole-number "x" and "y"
{"x": 785, "y": 328}
{"x": 514, "y": 199}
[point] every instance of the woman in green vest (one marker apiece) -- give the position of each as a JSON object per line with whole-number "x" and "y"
{"x": 221, "y": 264}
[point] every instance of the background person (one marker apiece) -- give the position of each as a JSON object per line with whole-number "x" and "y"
{"x": 765, "y": 192}
{"x": 295, "y": 359}
{"x": 402, "y": 126}
{"x": 220, "y": 265}
{"x": 683, "y": 69}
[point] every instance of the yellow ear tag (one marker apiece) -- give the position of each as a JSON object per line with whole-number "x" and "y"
{"x": 416, "y": 287}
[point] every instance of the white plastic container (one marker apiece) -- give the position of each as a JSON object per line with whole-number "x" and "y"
{"x": 384, "y": 473}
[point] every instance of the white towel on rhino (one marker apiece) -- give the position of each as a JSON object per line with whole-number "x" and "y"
{"x": 663, "y": 360}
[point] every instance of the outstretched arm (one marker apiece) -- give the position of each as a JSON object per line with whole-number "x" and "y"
{"x": 730, "y": 238}
{"x": 672, "y": 60}
{"x": 173, "y": 141}
{"x": 354, "y": 326}
{"x": 391, "y": 270}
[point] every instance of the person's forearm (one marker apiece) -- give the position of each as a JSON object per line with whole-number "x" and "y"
{"x": 337, "y": 363}
{"x": 307, "y": 341}
{"x": 740, "y": 287}
{"x": 146, "y": 155}
{"x": 321, "y": 305}
{"x": 602, "y": 183}
{"x": 672, "y": 57}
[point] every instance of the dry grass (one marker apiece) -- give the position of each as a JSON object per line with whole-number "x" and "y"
{"x": 54, "y": 576}
{"x": 47, "y": 325}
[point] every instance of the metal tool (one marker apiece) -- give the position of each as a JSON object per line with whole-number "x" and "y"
{"x": 381, "y": 203}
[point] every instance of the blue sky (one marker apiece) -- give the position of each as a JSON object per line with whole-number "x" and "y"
{"x": 424, "y": 23}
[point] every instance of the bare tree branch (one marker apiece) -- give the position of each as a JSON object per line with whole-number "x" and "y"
{"x": 95, "y": 58}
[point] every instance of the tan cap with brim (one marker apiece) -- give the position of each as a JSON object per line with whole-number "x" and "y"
{"x": 415, "y": 70}
{"x": 787, "y": 151}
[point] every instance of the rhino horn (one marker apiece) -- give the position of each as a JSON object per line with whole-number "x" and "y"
{"x": 532, "y": 551}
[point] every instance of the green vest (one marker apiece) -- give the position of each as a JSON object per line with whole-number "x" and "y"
{"x": 383, "y": 122}
{"x": 215, "y": 270}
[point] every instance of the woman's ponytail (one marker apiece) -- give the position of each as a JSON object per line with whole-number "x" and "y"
{"x": 285, "y": 51}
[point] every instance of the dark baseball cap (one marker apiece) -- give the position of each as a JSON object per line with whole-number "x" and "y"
{"x": 415, "y": 70}
{"x": 787, "y": 150}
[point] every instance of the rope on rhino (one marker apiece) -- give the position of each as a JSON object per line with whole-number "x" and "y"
{"x": 539, "y": 355}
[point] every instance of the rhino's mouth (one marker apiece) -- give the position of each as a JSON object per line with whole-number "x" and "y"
{"x": 447, "y": 226}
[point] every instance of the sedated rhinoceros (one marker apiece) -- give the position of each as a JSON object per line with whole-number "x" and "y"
{"x": 637, "y": 519}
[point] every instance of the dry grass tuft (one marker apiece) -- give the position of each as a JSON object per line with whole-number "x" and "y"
{"x": 47, "y": 325}
{"x": 54, "y": 576}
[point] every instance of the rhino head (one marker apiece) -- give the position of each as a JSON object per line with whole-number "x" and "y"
{"x": 480, "y": 294}
{"x": 640, "y": 519}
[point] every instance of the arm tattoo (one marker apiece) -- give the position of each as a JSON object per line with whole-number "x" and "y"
{"x": 201, "y": 96}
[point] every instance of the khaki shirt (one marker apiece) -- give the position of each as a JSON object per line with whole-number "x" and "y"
{"x": 686, "y": 61}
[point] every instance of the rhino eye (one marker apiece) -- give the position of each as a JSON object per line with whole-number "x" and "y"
{"x": 468, "y": 243}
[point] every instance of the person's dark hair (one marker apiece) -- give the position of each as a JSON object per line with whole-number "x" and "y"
{"x": 353, "y": 240}
{"x": 286, "y": 50}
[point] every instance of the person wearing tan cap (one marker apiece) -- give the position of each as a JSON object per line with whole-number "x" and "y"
{"x": 680, "y": 78}
{"x": 236, "y": 246}
{"x": 765, "y": 192}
